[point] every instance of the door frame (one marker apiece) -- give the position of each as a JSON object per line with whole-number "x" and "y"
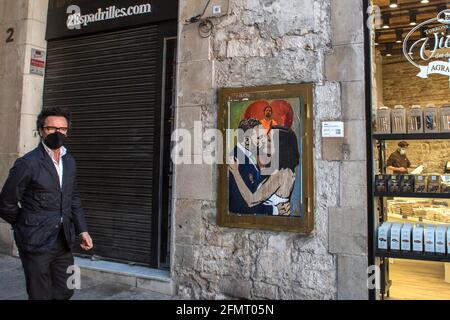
{"x": 371, "y": 259}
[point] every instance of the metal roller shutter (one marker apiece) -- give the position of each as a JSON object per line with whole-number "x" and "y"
{"x": 111, "y": 84}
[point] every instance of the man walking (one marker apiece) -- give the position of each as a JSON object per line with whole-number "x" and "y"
{"x": 41, "y": 202}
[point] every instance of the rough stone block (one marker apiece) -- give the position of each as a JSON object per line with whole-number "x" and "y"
{"x": 265, "y": 291}
{"x": 353, "y": 100}
{"x": 184, "y": 257}
{"x": 188, "y": 221}
{"x": 38, "y": 10}
{"x": 352, "y": 278}
{"x": 353, "y": 184}
{"x": 346, "y": 63}
{"x": 190, "y": 119}
{"x": 195, "y": 47}
{"x": 13, "y": 10}
{"x": 11, "y": 88}
{"x": 9, "y": 132}
{"x": 33, "y": 87}
{"x": 355, "y": 140}
{"x": 327, "y": 102}
{"x": 347, "y": 231}
{"x": 193, "y": 182}
{"x": 29, "y": 138}
{"x": 327, "y": 186}
{"x": 347, "y": 21}
{"x": 195, "y": 80}
{"x": 237, "y": 288}
{"x": 36, "y": 33}
{"x": 332, "y": 149}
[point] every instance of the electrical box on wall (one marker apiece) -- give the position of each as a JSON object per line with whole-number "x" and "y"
{"x": 217, "y": 8}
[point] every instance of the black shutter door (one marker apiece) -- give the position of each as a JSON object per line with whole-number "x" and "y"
{"x": 111, "y": 83}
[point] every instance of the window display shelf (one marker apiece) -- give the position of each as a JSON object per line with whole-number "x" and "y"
{"x": 412, "y": 255}
{"x": 412, "y": 195}
{"x": 412, "y": 136}
{"x": 395, "y": 217}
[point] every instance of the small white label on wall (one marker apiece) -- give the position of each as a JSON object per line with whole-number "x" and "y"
{"x": 333, "y": 129}
{"x": 217, "y": 9}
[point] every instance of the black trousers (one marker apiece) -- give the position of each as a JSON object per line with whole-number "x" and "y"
{"x": 46, "y": 273}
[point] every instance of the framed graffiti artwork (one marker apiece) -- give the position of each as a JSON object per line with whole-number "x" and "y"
{"x": 266, "y": 178}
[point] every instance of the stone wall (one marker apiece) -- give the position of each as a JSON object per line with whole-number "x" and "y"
{"x": 402, "y": 86}
{"x": 263, "y": 42}
{"x": 20, "y": 91}
{"x": 432, "y": 153}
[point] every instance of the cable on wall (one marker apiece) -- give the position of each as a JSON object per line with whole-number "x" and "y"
{"x": 205, "y": 27}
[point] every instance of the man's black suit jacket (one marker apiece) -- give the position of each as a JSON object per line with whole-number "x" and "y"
{"x": 33, "y": 202}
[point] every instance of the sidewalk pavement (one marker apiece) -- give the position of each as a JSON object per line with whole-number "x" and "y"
{"x": 12, "y": 286}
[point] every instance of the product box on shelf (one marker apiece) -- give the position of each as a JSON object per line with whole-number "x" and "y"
{"x": 383, "y": 120}
{"x": 384, "y": 234}
{"x": 448, "y": 241}
{"x": 393, "y": 183}
{"x": 420, "y": 183}
{"x": 407, "y": 183}
{"x": 395, "y": 236}
{"x": 406, "y": 235}
{"x": 441, "y": 232}
{"x": 380, "y": 183}
{"x": 418, "y": 238}
{"x": 431, "y": 119}
{"x": 415, "y": 119}
{"x": 434, "y": 183}
{"x": 445, "y": 183}
{"x": 445, "y": 118}
{"x": 398, "y": 119}
{"x": 429, "y": 234}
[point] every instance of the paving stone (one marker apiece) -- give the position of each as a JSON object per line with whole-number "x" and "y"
{"x": 13, "y": 287}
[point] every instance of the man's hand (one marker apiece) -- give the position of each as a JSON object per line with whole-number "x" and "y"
{"x": 403, "y": 170}
{"x": 86, "y": 241}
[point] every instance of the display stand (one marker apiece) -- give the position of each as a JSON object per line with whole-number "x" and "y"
{"x": 384, "y": 255}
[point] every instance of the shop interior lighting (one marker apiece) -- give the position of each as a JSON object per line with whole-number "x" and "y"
{"x": 399, "y": 35}
{"x": 389, "y": 50}
{"x": 386, "y": 20}
{"x": 413, "y": 18}
{"x": 393, "y": 4}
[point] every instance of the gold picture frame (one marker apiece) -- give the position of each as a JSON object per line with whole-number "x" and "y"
{"x": 300, "y": 220}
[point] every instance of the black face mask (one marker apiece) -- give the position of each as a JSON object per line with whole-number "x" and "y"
{"x": 55, "y": 140}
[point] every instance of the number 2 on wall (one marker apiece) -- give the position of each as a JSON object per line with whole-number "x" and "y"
{"x": 10, "y": 33}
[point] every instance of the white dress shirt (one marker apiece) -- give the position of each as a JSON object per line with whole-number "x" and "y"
{"x": 58, "y": 164}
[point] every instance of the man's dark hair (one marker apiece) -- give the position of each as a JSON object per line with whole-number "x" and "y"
{"x": 287, "y": 148}
{"x": 53, "y": 111}
{"x": 247, "y": 124}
